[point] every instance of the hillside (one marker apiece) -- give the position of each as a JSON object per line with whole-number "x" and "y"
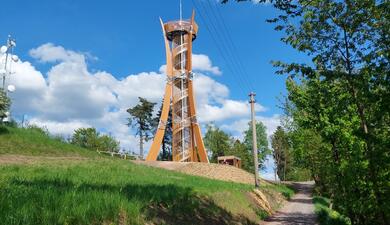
{"x": 210, "y": 170}
{"x": 44, "y": 180}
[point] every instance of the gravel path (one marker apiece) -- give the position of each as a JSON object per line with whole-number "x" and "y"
{"x": 299, "y": 210}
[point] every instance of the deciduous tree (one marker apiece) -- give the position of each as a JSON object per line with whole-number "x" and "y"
{"x": 5, "y": 103}
{"x": 262, "y": 142}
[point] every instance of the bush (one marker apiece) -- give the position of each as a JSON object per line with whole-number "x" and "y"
{"x": 91, "y": 139}
{"x": 299, "y": 174}
{"x": 327, "y": 216}
{"x": 37, "y": 129}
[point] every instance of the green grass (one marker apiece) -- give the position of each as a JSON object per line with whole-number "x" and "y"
{"x": 34, "y": 141}
{"x": 286, "y": 191}
{"x": 327, "y": 216}
{"x": 104, "y": 190}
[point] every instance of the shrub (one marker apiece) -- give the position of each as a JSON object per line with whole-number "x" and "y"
{"x": 37, "y": 129}
{"x": 91, "y": 139}
{"x": 327, "y": 216}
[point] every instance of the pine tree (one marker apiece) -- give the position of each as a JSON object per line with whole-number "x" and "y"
{"x": 141, "y": 118}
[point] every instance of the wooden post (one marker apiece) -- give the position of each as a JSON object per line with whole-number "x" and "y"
{"x": 254, "y": 138}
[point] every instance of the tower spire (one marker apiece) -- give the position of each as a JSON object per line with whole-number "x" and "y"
{"x": 181, "y": 11}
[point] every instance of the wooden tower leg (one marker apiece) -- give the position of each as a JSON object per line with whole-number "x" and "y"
{"x": 199, "y": 151}
{"x": 155, "y": 148}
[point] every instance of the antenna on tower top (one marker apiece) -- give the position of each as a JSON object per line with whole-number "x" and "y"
{"x": 181, "y": 11}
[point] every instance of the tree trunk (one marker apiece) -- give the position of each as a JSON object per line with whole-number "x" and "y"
{"x": 163, "y": 150}
{"x": 361, "y": 109}
{"x": 141, "y": 145}
{"x": 284, "y": 169}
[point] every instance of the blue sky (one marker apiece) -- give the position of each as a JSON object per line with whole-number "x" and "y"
{"x": 114, "y": 47}
{"x": 125, "y": 36}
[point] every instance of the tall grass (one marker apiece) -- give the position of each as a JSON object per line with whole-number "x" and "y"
{"x": 109, "y": 191}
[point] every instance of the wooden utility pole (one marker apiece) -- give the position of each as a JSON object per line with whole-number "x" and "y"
{"x": 254, "y": 138}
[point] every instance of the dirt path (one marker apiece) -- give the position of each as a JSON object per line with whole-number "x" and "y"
{"x": 299, "y": 210}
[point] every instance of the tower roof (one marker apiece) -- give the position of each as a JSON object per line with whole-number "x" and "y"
{"x": 180, "y": 26}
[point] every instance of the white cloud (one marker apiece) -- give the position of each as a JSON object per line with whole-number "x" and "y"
{"x": 51, "y": 53}
{"x": 200, "y": 63}
{"x": 59, "y": 128}
{"x": 239, "y": 126}
{"x": 69, "y": 96}
{"x": 203, "y": 63}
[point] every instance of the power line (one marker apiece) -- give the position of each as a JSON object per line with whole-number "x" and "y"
{"x": 226, "y": 47}
{"x": 240, "y": 84}
{"x": 241, "y": 65}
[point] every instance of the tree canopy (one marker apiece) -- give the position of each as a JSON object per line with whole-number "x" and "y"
{"x": 262, "y": 142}
{"x": 339, "y": 103}
{"x": 5, "y": 103}
{"x": 91, "y": 139}
{"x": 141, "y": 118}
{"x": 220, "y": 143}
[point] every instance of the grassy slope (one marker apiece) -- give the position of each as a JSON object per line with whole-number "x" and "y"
{"x": 102, "y": 190}
{"x": 34, "y": 142}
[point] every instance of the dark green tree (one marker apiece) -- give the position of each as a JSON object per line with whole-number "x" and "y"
{"x": 341, "y": 99}
{"x": 217, "y": 142}
{"x": 262, "y": 141}
{"x": 108, "y": 143}
{"x": 86, "y": 138}
{"x": 5, "y": 103}
{"x": 280, "y": 152}
{"x": 240, "y": 150}
{"x": 141, "y": 118}
{"x": 166, "y": 143}
{"x": 91, "y": 139}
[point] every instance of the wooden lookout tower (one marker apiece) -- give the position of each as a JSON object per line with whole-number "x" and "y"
{"x": 187, "y": 143}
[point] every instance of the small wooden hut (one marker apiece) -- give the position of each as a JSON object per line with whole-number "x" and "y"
{"x": 230, "y": 160}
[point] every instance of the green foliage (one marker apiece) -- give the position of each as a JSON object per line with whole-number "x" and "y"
{"x": 287, "y": 192}
{"x": 5, "y": 103}
{"x": 327, "y": 216}
{"x": 217, "y": 142}
{"x": 296, "y": 173}
{"x": 281, "y": 152}
{"x": 141, "y": 118}
{"x": 166, "y": 143}
{"x": 108, "y": 143}
{"x": 240, "y": 150}
{"x": 37, "y": 129}
{"x": 262, "y": 141}
{"x": 91, "y": 139}
{"x": 339, "y": 103}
